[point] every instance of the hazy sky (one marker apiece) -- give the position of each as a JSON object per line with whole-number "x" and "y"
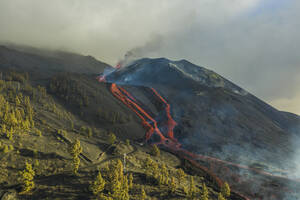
{"x": 254, "y": 43}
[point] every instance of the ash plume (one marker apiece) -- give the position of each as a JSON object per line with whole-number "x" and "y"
{"x": 149, "y": 49}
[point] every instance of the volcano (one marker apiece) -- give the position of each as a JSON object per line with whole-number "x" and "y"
{"x": 198, "y": 114}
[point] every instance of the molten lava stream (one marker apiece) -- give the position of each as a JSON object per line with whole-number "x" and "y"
{"x": 138, "y": 110}
{"x": 171, "y": 123}
{"x": 128, "y": 94}
{"x": 125, "y": 97}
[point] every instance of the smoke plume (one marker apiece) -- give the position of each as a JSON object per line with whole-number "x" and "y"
{"x": 254, "y": 43}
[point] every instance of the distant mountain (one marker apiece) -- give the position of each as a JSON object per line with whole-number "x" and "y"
{"x": 47, "y": 63}
{"x": 217, "y": 118}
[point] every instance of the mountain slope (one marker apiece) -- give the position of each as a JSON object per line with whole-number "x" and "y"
{"x": 48, "y": 63}
{"x": 219, "y": 119}
{"x": 222, "y": 131}
{"x": 58, "y": 105}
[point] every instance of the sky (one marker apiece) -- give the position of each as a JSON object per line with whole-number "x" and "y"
{"x": 253, "y": 43}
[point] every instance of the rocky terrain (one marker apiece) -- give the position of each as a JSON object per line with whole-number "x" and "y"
{"x": 221, "y": 122}
{"x": 222, "y": 133}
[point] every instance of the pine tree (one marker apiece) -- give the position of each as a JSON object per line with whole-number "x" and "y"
{"x": 186, "y": 190}
{"x": 220, "y": 197}
{"x": 98, "y": 184}
{"x": 124, "y": 192}
{"x": 115, "y": 184}
{"x": 72, "y": 125}
{"x": 180, "y": 175}
{"x": 27, "y": 177}
{"x": 17, "y": 100}
{"x": 9, "y": 133}
{"x": 165, "y": 174}
{"x": 76, "y": 164}
{"x": 118, "y": 183}
{"x": 103, "y": 197}
{"x": 155, "y": 150}
{"x": 204, "y": 195}
{"x": 143, "y": 194}
{"x": 151, "y": 168}
{"x": 160, "y": 179}
{"x": 225, "y": 190}
{"x": 76, "y": 149}
{"x": 130, "y": 184}
{"x": 90, "y": 132}
{"x": 3, "y": 128}
{"x": 5, "y": 148}
{"x": 112, "y": 138}
{"x": 173, "y": 185}
{"x": 192, "y": 188}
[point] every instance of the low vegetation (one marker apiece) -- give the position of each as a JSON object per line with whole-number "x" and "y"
{"x": 56, "y": 148}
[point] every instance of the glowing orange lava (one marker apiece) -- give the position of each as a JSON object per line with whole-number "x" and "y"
{"x": 168, "y": 140}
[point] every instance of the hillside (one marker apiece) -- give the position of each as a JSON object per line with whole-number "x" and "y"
{"x": 47, "y": 63}
{"x": 230, "y": 131}
{"x": 50, "y": 102}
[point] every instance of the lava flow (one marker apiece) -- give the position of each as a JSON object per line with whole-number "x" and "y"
{"x": 170, "y": 123}
{"x": 148, "y": 122}
{"x": 168, "y": 140}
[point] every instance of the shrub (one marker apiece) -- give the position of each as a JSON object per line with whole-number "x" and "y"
{"x": 155, "y": 150}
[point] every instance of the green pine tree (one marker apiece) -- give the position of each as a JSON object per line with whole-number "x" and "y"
{"x": 155, "y": 150}
{"x": 225, "y": 190}
{"x": 143, "y": 194}
{"x": 220, "y": 197}
{"x": 98, "y": 185}
{"x": 27, "y": 176}
{"x": 75, "y": 151}
{"x": 180, "y": 175}
{"x": 173, "y": 185}
{"x": 204, "y": 195}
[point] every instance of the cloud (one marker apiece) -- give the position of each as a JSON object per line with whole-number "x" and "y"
{"x": 254, "y": 43}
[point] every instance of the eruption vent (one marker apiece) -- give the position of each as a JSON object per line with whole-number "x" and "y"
{"x": 204, "y": 87}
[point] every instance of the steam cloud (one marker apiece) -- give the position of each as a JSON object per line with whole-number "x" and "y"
{"x": 254, "y": 43}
